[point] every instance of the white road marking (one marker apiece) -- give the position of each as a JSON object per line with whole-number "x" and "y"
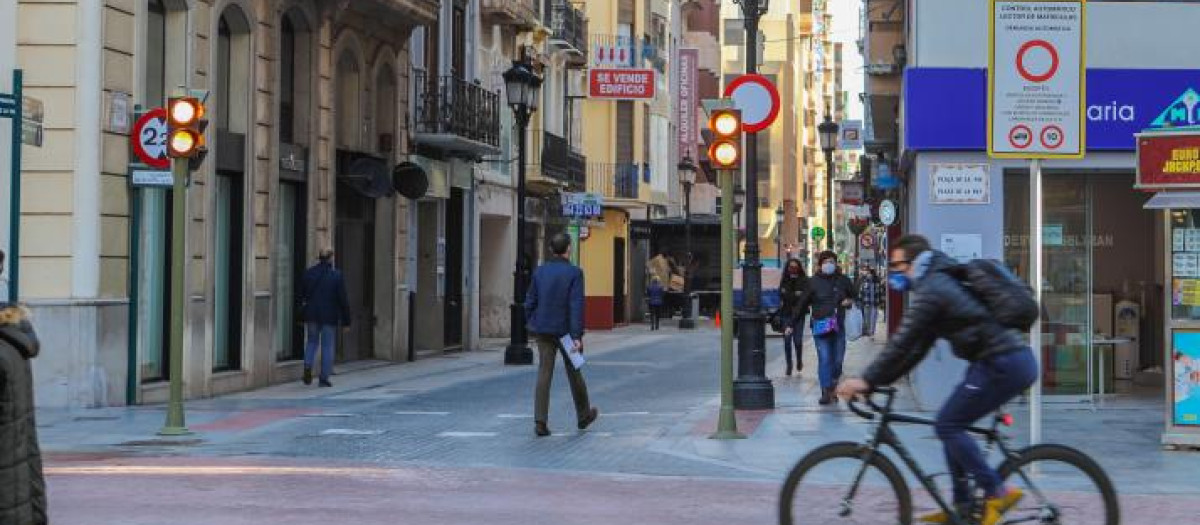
{"x": 467, "y": 434}
{"x": 350, "y": 432}
{"x": 514, "y": 416}
{"x": 329, "y": 415}
{"x": 413, "y": 413}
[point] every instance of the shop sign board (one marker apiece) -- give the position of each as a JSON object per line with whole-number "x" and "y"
{"x": 621, "y": 84}
{"x": 582, "y": 204}
{"x": 960, "y": 183}
{"x": 1168, "y": 160}
{"x": 689, "y": 101}
{"x": 1036, "y": 79}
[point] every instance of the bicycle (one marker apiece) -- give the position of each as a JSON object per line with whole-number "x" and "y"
{"x": 859, "y": 497}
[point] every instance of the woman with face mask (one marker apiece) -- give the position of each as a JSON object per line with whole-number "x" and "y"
{"x": 793, "y": 288}
{"x": 830, "y": 293}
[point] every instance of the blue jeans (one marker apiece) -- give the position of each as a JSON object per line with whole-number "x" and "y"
{"x": 831, "y": 351}
{"x": 869, "y": 320}
{"x": 796, "y": 339}
{"x": 989, "y": 384}
{"x": 324, "y": 335}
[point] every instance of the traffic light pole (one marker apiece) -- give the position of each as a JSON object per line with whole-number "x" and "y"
{"x": 727, "y": 420}
{"x": 752, "y": 390}
{"x": 175, "y": 425}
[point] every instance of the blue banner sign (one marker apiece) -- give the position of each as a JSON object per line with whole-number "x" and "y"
{"x": 945, "y": 109}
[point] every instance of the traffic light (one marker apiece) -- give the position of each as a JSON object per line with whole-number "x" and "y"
{"x": 725, "y": 152}
{"x": 185, "y": 130}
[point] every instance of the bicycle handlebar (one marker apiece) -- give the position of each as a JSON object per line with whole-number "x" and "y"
{"x": 866, "y": 399}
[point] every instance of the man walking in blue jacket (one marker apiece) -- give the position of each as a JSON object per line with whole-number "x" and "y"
{"x": 324, "y": 307}
{"x": 553, "y": 309}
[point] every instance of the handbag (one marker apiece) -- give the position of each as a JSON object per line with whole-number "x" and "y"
{"x": 826, "y": 326}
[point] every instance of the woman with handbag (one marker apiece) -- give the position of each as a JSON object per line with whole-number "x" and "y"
{"x": 830, "y": 293}
{"x": 793, "y": 288}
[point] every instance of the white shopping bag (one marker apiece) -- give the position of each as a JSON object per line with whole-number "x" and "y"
{"x": 854, "y": 324}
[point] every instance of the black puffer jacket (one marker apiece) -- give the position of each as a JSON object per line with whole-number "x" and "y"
{"x": 22, "y": 488}
{"x": 940, "y": 308}
{"x": 826, "y": 294}
{"x": 793, "y": 293}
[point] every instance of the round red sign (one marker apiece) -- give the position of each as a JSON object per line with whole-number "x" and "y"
{"x": 149, "y": 139}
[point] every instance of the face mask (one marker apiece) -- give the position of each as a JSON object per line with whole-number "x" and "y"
{"x": 828, "y": 268}
{"x": 898, "y": 281}
{"x": 793, "y": 270}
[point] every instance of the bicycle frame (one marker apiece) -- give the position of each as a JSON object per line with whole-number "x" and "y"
{"x": 883, "y": 435}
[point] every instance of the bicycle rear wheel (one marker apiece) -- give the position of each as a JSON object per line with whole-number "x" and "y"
{"x": 1062, "y": 486}
{"x": 821, "y": 489}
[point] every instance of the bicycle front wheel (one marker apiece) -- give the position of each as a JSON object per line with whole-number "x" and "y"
{"x": 845, "y": 484}
{"x": 1062, "y": 486}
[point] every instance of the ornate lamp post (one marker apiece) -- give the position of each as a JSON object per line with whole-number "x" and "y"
{"x": 752, "y": 389}
{"x": 687, "y": 178}
{"x": 521, "y": 86}
{"x": 828, "y": 130}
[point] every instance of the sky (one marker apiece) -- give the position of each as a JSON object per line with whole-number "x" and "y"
{"x": 846, "y": 14}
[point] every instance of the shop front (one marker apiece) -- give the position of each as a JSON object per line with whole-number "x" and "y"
{"x": 1109, "y": 323}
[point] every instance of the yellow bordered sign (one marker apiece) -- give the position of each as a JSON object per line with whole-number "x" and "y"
{"x": 1037, "y": 79}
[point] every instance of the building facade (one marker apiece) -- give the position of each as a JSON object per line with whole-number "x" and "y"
{"x": 311, "y": 104}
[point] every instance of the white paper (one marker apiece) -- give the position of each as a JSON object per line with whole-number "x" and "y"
{"x": 1186, "y": 265}
{"x": 963, "y": 246}
{"x": 1192, "y": 239}
{"x": 574, "y": 355}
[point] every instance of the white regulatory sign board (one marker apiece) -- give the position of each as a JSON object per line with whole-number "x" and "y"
{"x": 959, "y": 183}
{"x": 1036, "y": 79}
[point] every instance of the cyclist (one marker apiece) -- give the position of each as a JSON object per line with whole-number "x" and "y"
{"x": 1002, "y": 366}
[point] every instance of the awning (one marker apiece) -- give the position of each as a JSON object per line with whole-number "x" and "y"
{"x": 1164, "y": 200}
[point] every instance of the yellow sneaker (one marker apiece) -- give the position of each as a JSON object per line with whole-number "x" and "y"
{"x": 934, "y": 517}
{"x": 994, "y": 508}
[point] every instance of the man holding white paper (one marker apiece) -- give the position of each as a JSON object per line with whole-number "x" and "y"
{"x": 554, "y": 312}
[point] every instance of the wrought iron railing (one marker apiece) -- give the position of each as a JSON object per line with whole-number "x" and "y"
{"x": 568, "y": 24}
{"x": 613, "y": 181}
{"x": 559, "y": 162}
{"x": 448, "y": 105}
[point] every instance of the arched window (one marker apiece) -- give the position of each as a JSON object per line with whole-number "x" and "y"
{"x": 349, "y": 101}
{"x": 295, "y": 70}
{"x": 385, "y": 109}
{"x": 233, "y": 121}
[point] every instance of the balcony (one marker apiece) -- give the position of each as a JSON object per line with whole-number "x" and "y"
{"x": 561, "y": 163}
{"x": 455, "y": 116}
{"x": 569, "y": 27}
{"x": 522, "y": 14}
{"x": 616, "y": 182}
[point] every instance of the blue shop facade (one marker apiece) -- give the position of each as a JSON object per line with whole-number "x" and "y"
{"x": 1114, "y": 319}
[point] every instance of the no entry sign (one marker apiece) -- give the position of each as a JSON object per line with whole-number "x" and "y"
{"x": 758, "y": 99}
{"x": 1036, "y": 79}
{"x": 621, "y": 84}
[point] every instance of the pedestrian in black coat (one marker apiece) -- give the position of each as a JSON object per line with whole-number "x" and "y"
{"x": 22, "y": 487}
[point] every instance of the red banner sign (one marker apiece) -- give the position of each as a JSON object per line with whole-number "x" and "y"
{"x": 621, "y": 84}
{"x": 1168, "y": 161}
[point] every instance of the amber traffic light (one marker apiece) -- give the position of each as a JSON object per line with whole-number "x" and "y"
{"x": 725, "y": 152}
{"x": 185, "y": 129}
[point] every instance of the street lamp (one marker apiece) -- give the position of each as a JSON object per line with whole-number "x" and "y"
{"x": 521, "y": 86}
{"x": 752, "y": 390}
{"x": 779, "y": 235}
{"x": 687, "y": 178}
{"x": 829, "y": 139}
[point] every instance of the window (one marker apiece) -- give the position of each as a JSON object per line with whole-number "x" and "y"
{"x": 287, "y": 82}
{"x": 459, "y": 51}
{"x": 735, "y": 32}
{"x": 224, "y": 52}
{"x": 156, "y": 54}
{"x": 349, "y": 102}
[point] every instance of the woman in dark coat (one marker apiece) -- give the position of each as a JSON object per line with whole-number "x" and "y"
{"x": 793, "y": 288}
{"x": 830, "y": 293}
{"x": 22, "y": 488}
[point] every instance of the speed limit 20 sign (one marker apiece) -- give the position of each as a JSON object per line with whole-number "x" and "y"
{"x": 149, "y": 139}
